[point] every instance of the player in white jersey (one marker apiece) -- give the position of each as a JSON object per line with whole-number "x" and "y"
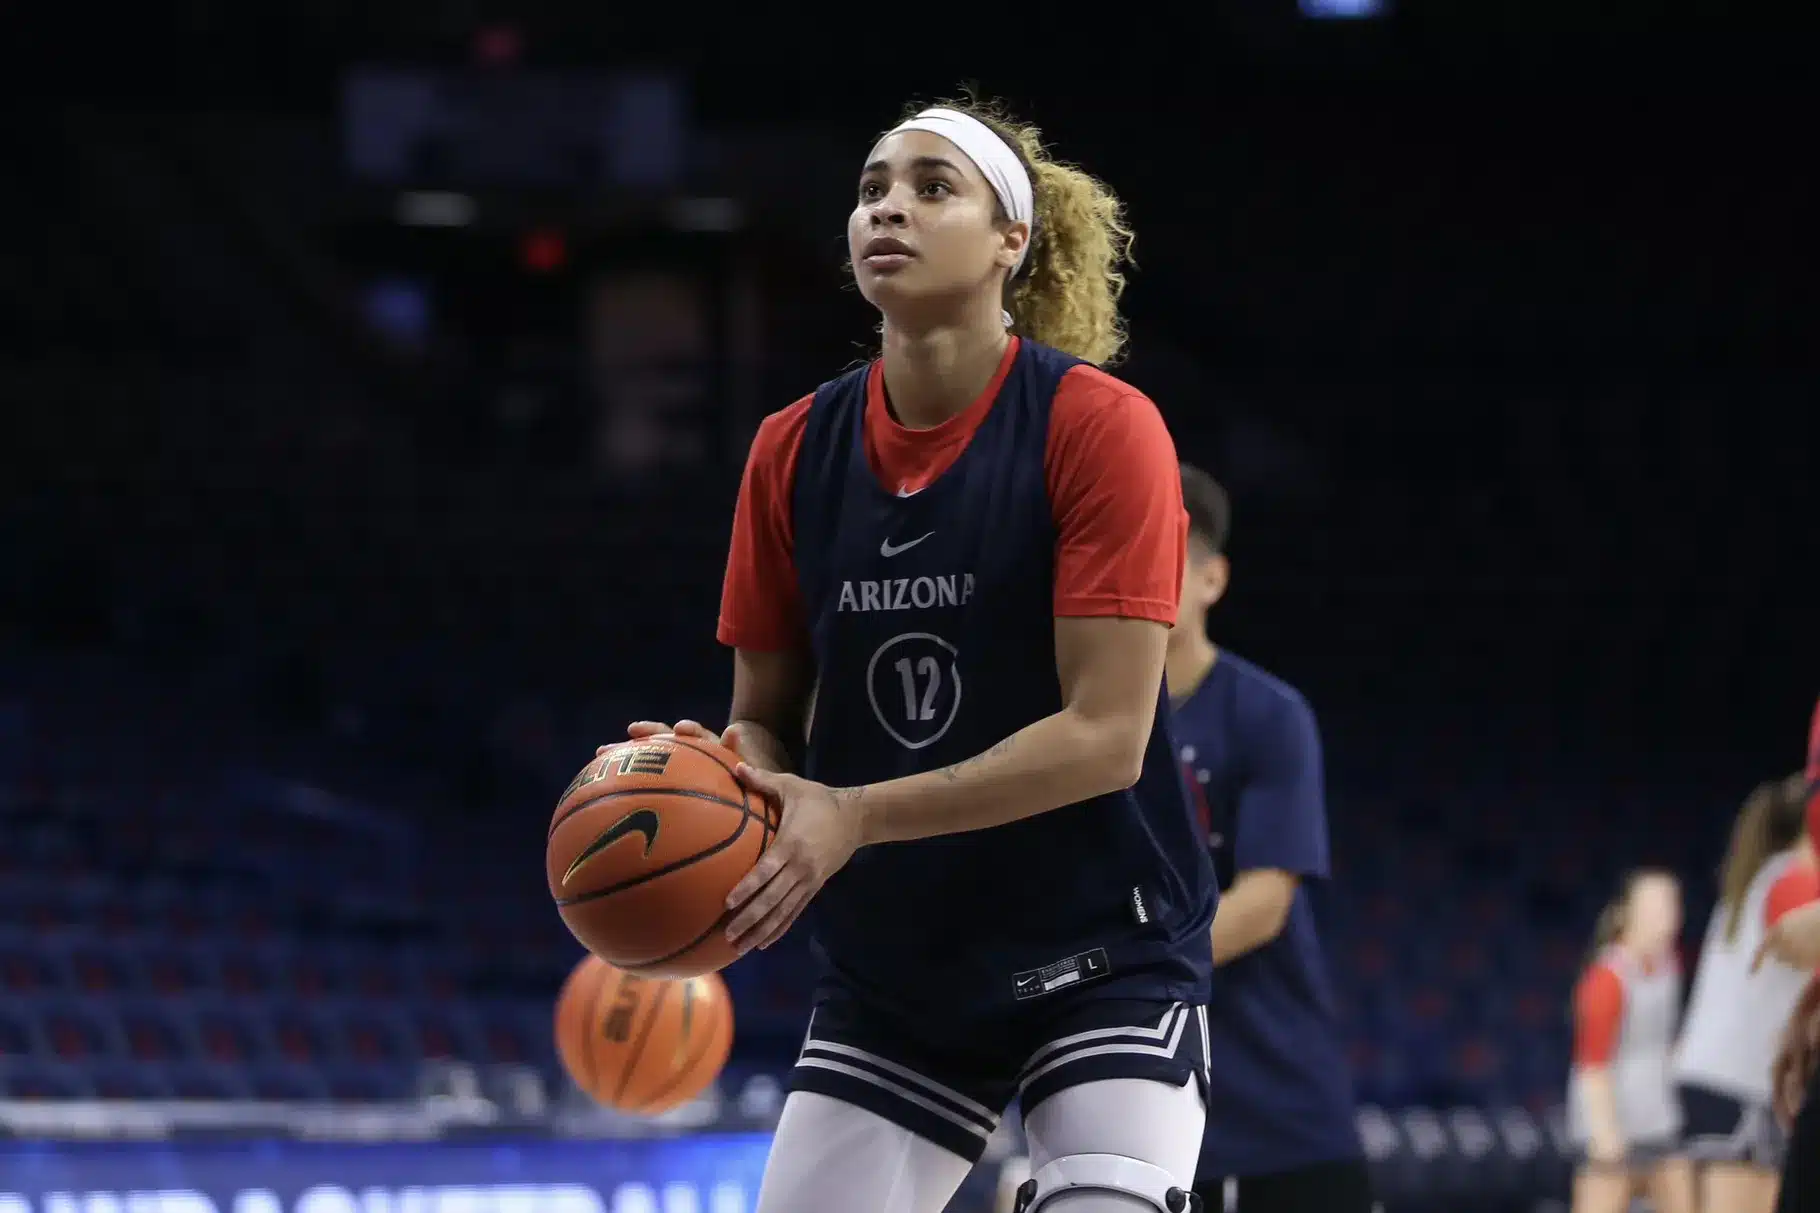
{"x": 1737, "y": 1012}
{"x": 1621, "y": 1102}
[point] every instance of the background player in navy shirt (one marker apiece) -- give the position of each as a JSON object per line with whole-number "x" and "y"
{"x": 967, "y": 556}
{"x": 1280, "y": 1116}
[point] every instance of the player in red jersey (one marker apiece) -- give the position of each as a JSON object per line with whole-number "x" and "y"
{"x": 1621, "y": 1107}
{"x": 1735, "y": 1015}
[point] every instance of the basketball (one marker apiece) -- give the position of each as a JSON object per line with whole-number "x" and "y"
{"x": 644, "y": 847}
{"x": 642, "y": 1045}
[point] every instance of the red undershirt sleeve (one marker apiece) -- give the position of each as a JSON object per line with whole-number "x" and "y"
{"x": 1116, "y": 489}
{"x": 1598, "y": 1015}
{"x": 760, "y": 598}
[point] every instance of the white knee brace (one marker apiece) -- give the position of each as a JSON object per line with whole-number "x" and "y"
{"x": 1105, "y": 1173}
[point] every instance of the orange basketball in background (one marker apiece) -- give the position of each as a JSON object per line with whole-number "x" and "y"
{"x": 642, "y": 1045}
{"x": 644, "y": 847}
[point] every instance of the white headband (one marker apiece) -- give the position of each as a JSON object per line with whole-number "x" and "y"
{"x": 997, "y": 163}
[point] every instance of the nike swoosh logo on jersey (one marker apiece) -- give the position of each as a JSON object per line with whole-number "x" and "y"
{"x": 887, "y": 549}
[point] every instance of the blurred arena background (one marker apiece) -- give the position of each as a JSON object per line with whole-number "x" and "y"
{"x": 376, "y": 381}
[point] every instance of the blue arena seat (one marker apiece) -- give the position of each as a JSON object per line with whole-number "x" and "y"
{"x": 171, "y": 970}
{"x": 153, "y": 1035}
{"x": 441, "y": 1032}
{"x": 286, "y": 1082}
{"x": 76, "y": 1031}
{"x": 19, "y": 1036}
{"x": 36, "y": 1078}
{"x": 366, "y": 1083}
{"x": 373, "y": 1036}
{"x": 100, "y": 971}
{"x": 206, "y": 1081}
{"x": 128, "y": 1081}
{"x": 227, "y": 1035}
{"x": 25, "y": 969}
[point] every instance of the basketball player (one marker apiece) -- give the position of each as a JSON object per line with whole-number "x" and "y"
{"x": 1795, "y": 941}
{"x": 1281, "y": 1131}
{"x": 1736, "y": 1014}
{"x": 972, "y": 549}
{"x": 1620, "y": 1102}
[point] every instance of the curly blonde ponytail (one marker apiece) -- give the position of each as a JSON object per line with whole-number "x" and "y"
{"x": 1067, "y": 293}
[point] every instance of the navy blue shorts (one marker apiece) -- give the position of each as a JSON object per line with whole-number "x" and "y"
{"x": 954, "y": 1094}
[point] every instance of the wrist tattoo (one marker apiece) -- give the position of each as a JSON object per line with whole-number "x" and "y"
{"x": 999, "y": 750}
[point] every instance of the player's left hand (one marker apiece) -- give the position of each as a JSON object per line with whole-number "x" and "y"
{"x": 1794, "y": 939}
{"x": 816, "y": 836}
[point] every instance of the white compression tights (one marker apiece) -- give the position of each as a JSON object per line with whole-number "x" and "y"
{"x": 831, "y": 1157}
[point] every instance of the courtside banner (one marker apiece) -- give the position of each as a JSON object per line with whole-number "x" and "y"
{"x": 716, "y": 1173}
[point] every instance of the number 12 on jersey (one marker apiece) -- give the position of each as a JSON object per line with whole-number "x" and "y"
{"x": 928, "y": 671}
{"x": 914, "y": 682}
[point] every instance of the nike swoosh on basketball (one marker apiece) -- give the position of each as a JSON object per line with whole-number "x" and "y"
{"x": 638, "y": 821}
{"x": 887, "y": 548}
